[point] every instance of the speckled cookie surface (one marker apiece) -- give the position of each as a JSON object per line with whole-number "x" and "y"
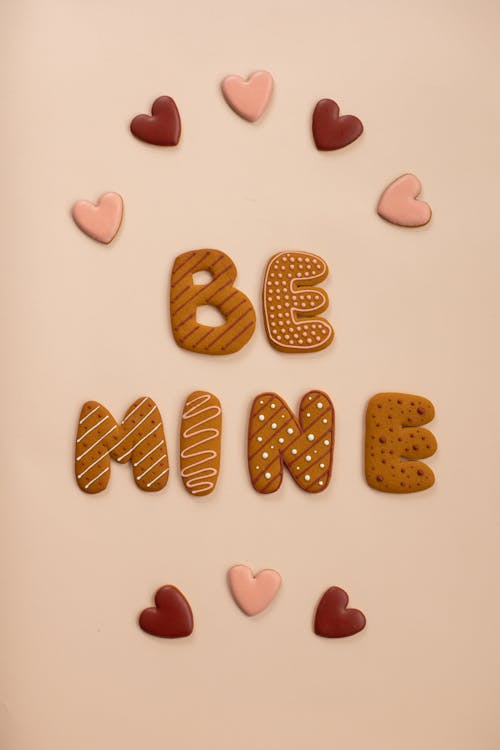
{"x": 395, "y": 442}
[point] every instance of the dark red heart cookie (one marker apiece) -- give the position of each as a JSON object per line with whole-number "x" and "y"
{"x": 171, "y": 617}
{"x": 333, "y": 619}
{"x": 330, "y": 131}
{"x": 162, "y": 127}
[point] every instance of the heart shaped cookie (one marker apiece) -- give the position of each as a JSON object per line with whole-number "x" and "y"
{"x": 252, "y": 593}
{"x": 333, "y": 618}
{"x": 162, "y": 127}
{"x": 100, "y": 220}
{"x": 171, "y": 617}
{"x": 249, "y": 97}
{"x": 399, "y": 205}
{"x": 330, "y": 131}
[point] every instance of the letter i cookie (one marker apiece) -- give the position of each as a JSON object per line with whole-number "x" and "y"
{"x": 292, "y": 302}
{"x": 200, "y": 442}
{"x": 304, "y": 445}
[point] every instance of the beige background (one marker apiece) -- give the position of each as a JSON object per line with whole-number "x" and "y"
{"x": 415, "y": 311}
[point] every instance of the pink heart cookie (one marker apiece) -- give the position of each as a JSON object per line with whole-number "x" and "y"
{"x": 100, "y": 220}
{"x": 399, "y": 205}
{"x": 252, "y": 593}
{"x": 248, "y": 98}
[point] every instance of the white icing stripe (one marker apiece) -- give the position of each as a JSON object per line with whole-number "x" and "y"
{"x": 93, "y": 428}
{"x": 120, "y": 458}
{"x": 96, "y": 478}
{"x": 101, "y": 458}
{"x": 148, "y": 453}
{"x": 88, "y": 415}
{"x": 132, "y": 432}
{"x": 134, "y": 410}
{"x": 97, "y": 443}
{"x": 157, "y": 478}
{"x": 151, "y": 467}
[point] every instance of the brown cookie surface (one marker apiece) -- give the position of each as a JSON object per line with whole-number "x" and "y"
{"x": 291, "y": 302}
{"x": 200, "y": 442}
{"x": 304, "y": 445}
{"x": 139, "y": 438}
{"x": 186, "y": 297}
{"x": 395, "y": 441}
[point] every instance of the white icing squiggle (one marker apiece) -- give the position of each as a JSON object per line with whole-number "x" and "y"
{"x": 198, "y": 476}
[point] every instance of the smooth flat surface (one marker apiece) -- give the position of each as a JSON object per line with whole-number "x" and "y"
{"x": 414, "y": 311}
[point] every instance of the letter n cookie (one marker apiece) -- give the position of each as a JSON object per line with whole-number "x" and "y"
{"x": 186, "y": 297}
{"x": 292, "y": 302}
{"x": 139, "y": 438}
{"x": 304, "y": 445}
{"x": 395, "y": 441}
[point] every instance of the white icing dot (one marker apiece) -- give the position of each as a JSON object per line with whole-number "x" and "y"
{"x": 281, "y": 440}
{"x": 326, "y": 442}
{"x": 322, "y": 466}
{"x": 308, "y": 458}
{"x": 320, "y": 483}
{"x": 294, "y": 451}
{"x": 273, "y": 426}
{"x": 257, "y": 468}
{"x": 261, "y": 417}
{"x": 259, "y": 439}
{"x": 307, "y": 478}
{"x": 273, "y": 406}
{"x": 325, "y": 420}
{"x": 290, "y": 431}
{"x": 319, "y": 404}
{"x": 265, "y": 454}
{"x": 310, "y": 437}
{"x": 267, "y": 475}
{"x": 308, "y": 414}
{"x": 261, "y": 401}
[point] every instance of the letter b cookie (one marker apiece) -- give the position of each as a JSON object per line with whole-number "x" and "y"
{"x": 186, "y": 297}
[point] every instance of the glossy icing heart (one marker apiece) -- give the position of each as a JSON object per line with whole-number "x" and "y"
{"x": 100, "y": 220}
{"x": 171, "y": 617}
{"x": 249, "y": 97}
{"x": 162, "y": 127}
{"x": 399, "y": 205}
{"x": 252, "y": 593}
{"x": 330, "y": 131}
{"x": 333, "y": 618}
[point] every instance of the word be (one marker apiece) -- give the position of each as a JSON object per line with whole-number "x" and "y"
{"x": 277, "y": 438}
{"x": 291, "y": 303}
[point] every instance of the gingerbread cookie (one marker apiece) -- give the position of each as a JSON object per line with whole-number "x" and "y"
{"x": 394, "y": 442}
{"x": 248, "y": 98}
{"x": 162, "y": 127}
{"x": 139, "y": 438}
{"x": 334, "y": 619}
{"x": 330, "y": 130}
{"x": 100, "y": 220}
{"x": 200, "y": 442}
{"x": 304, "y": 445}
{"x": 291, "y": 301}
{"x": 253, "y": 593}
{"x": 171, "y": 617}
{"x": 399, "y": 203}
{"x": 186, "y": 296}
